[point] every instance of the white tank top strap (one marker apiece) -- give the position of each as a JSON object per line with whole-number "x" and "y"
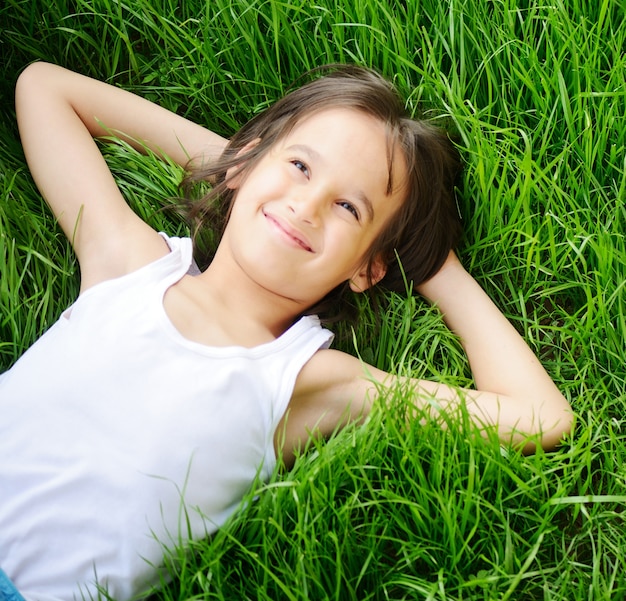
{"x": 178, "y": 262}
{"x": 292, "y": 350}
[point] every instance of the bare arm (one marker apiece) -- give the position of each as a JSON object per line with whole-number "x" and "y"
{"x": 514, "y": 392}
{"x": 59, "y": 113}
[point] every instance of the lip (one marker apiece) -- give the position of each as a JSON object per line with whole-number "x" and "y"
{"x": 289, "y": 233}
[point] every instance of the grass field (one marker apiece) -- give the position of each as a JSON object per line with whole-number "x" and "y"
{"x": 537, "y": 94}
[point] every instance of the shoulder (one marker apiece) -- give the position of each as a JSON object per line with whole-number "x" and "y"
{"x": 332, "y": 389}
{"x": 330, "y": 370}
{"x": 117, "y": 253}
{"x": 338, "y": 384}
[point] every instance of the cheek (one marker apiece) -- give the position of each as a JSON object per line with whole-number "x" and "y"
{"x": 266, "y": 186}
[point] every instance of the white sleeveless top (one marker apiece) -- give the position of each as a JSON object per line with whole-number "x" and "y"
{"x": 118, "y": 436}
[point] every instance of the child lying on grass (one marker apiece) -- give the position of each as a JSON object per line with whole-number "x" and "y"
{"x": 144, "y": 414}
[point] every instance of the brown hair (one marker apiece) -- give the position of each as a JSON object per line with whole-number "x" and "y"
{"x": 416, "y": 240}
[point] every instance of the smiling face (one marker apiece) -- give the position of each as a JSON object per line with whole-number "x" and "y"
{"x": 305, "y": 216}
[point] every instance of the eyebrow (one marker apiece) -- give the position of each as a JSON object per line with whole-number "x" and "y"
{"x": 306, "y": 150}
{"x": 367, "y": 202}
{"x": 313, "y": 154}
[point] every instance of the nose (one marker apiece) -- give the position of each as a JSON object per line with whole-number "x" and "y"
{"x": 306, "y": 205}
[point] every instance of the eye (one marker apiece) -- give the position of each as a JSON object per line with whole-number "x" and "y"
{"x": 300, "y": 166}
{"x": 344, "y": 204}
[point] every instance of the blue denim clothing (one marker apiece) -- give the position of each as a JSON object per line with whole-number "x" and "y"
{"x": 8, "y": 592}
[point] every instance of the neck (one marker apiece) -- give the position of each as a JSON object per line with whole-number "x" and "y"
{"x": 244, "y": 304}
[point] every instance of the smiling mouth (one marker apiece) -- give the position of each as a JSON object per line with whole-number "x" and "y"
{"x": 288, "y": 232}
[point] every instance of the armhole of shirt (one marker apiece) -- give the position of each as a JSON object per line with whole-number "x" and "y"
{"x": 300, "y": 351}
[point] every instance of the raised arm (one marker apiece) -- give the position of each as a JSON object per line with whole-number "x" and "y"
{"x": 513, "y": 391}
{"x": 59, "y": 113}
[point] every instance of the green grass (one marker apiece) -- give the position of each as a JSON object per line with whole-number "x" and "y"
{"x": 393, "y": 511}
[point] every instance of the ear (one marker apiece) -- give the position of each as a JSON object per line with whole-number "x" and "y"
{"x": 233, "y": 175}
{"x": 359, "y": 282}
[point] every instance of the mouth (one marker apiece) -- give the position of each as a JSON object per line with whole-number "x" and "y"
{"x": 288, "y": 232}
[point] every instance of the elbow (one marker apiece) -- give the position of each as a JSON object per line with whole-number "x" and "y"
{"x": 27, "y": 85}
{"x": 552, "y": 429}
{"x": 30, "y": 75}
{"x": 31, "y": 82}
